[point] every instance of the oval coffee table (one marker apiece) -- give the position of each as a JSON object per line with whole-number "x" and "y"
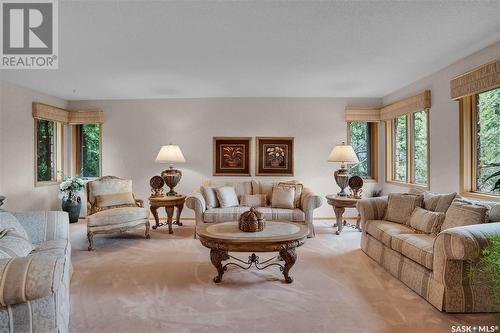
{"x": 281, "y": 237}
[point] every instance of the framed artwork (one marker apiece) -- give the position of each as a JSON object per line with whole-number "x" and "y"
{"x": 274, "y": 156}
{"x": 231, "y": 156}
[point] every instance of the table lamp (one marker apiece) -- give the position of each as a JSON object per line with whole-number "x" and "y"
{"x": 171, "y": 154}
{"x": 345, "y": 155}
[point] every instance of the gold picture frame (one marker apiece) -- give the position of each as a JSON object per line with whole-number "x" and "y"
{"x": 274, "y": 156}
{"x": 231, "y": 156}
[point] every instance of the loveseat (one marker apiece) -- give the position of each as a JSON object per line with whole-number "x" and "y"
{"x": 308, "y": 201}
{"x": 435, "y": 266}
{"x": 34, "y": 292}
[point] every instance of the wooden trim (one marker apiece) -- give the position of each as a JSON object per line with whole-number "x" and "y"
{"x": 362, "y": 114}
{"x": 407, "y": 105}
{"x": 76, "y": 143}
{"x": 373, "y": 176}
{"x": 214, "y": 155}
{"x": 477, "y": 80}
{"x": 49, "y": 112}
{"x": 58, "y": 153}
{"x": 257, "y": 153}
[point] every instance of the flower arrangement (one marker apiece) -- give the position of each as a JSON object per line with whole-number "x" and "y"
{"x": 276, "y": 154}
{"x": 233, "y": 153}
{"x": 70, "y": 187}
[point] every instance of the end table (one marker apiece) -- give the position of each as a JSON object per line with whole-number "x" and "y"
{"x": 170, "y": 203}
{"x": 339, "y": 205}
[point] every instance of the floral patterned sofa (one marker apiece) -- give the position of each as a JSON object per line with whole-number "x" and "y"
{"x": 34, "y": 290}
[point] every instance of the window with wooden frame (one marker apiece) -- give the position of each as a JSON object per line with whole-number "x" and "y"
{"x": 407, "y": 149}
{"x": 362, "y": 136}
{"x": 480, "y": 145}
{"x": 48, "y": 151}
{"x": 87, "y": 150}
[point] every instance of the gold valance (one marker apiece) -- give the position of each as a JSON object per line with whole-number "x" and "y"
{"x": 407, "y": 105}
{"x": 72, "y": 117}
{"x": 362, "y": 114}
{"x": 478, "y": 80}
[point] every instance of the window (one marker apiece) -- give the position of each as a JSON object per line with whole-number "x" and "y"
{"x": 362, "y": 136}
{"x": 408, "y": 149}
{"x": 87, "y": 150}
{"x": 48, "y": 148}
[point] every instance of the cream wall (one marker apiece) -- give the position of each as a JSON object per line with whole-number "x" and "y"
{"x": 17, "y": 150}
{"x": 444, "y": 144}
{"x": 134, "y": 130}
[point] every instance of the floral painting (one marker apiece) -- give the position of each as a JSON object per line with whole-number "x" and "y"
{"x": 231, "y": 156}
{"x": 274, "y": 156}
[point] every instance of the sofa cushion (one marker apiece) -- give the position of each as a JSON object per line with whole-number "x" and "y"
{"x": 108, "y": 185}
{"x": 117, "y": 216}
{"x": 426, "y": 221}
{"x": 210, "y": 196}
{"x": 283, "y": 197}
{"x": 240, "y": 188}
{"x": 462, "y": 213}
{"x": 438, "y": 202}
{"x": 56, "y": 247}
{"x": 12, "y": 244}
{"x": 298, "y": 186}
{"x": 384, "y": 230}
{"x": 417, "y": 247}
{"x": 254, "y": 200}
{"x": 9, "y": 221}
{"x": 115, "y": 199}
{"x": 224, "y": 214}
{"x": 400, "y": 206}
{"x": 282, "y": 214}
{"x": 226, "y": 195}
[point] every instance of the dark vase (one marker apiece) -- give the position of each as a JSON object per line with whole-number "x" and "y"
{"x": 72, "y": 208}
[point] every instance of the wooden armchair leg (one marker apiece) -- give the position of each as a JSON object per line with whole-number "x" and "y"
{"x": 148, "y": 236}
{"x": 90, "y": 237}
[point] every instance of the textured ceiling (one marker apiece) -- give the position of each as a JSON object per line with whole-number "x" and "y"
{"x": 154, "y": 49}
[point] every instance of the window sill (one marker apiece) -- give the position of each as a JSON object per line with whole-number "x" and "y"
{"x": 409, "y": 185}
{"x": 369, "y": 180}
{"x": 45, "y": 184}
{"x": 481, "y": 196}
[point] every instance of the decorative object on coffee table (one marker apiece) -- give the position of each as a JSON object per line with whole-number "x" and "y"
{"x": 170, "y": 203}
{"x": 344, "y": 154}
{"x": 231, "y": 156}
{"x": 252, "y": 221}
{"x": 274, "y": 156}
{"x": 282, "y": 237}
{"x": 156, "y": 183}
{"x": 339, "y": 205}
{"x": 171, "y": 154}
{"x": 70, "y": 188}
{"x": 356, "y": 186}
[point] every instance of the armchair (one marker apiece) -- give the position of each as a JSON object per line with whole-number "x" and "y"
{"x": 113, "y": 208}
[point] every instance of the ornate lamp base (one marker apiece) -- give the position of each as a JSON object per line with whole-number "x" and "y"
{"x": 171, "y": 178}
{"x": 342, "y": 179}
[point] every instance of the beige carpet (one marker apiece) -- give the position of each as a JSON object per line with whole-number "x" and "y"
{"x": 130, "y": 284}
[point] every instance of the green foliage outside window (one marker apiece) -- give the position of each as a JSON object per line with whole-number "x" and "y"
{"x": 45, "y": 150}
{"x": 90, "y": 150}
{"x": 420, "y": 147}
{"x": 400, "y": 148}
{"x": 359, "y": 138}
{"x": 488, "y": 142}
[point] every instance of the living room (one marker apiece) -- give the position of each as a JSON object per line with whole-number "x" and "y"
{"x": 306, "y": 166}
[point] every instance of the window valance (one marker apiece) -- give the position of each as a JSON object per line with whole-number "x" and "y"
{"x": 73, "y": 117}
{"x": 480, "y": 79}
{"x": 362, "y": 114}
{"x": 406, "y": 105}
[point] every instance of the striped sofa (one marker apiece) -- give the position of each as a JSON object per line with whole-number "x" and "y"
{"x": 303, "y": 214}
{"x": 435, "y": 267}
{"x": 34, "y": 290}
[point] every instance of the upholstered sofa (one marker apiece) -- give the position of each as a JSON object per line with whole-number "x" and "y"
{"x": 34, "y": 289}
{"x": 303, "y": 214}
{"x": 434, "y": 266}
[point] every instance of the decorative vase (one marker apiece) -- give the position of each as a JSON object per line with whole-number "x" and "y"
{"x": 232, "y": 163}
{"x": 275, "y": 163}
{"x": 252, "y": 221}
{"x": 72, "y": 208}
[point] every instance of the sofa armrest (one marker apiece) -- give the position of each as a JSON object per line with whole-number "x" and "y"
{"x": 371, "y": 209}
{"x": 44, "y": 226}
{"x": 139, "y": 202}
{"x": 465, "y": 243}
{"x": 29, "y": 278}
{"x": 196, "y": 202}
{"x": 310, "y": 201}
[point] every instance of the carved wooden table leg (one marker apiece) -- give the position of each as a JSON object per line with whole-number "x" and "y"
{"x": 338, "y": 214}
{"x": 154, "y": 211}
{"x": 290, "y": 256}
{"x": 170, "y": 215}
{"x": 179, "y": 211}
{"x": 217, "y": 257}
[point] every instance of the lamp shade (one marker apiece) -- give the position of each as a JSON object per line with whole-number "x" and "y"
{"x": 343, "y": 153}
{"x": 170, "y": 154}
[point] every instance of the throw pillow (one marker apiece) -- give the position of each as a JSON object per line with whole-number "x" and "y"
{"x": 227, "y": 196}
{"x": 438, "y": 202}
{"x": 426, "y": 221}
{"x": 283, "y": 197}
{"x": 12, "y": 244}
{"x": 298, "y": 190}
{"x": 400, "y": 206}
{"x": 462, "y": 213}
{"x": 254, "y": 200}
{"x": 115, "y": 199}
{"x": 210, "y": 196}
{"x": 9, "y": 221}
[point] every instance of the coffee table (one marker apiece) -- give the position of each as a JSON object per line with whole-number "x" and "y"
{"x": 281, "y": 237}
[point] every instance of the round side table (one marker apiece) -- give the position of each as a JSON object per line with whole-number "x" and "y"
{"x": 339, "y": 205}
{"x": 170, "y": 203}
